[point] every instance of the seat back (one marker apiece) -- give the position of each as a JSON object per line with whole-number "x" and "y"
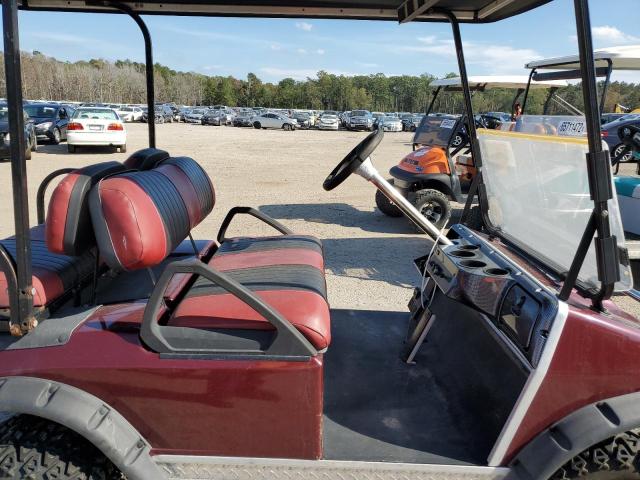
{"x": 68, "y": 229}
{"x": 141, "y": 217}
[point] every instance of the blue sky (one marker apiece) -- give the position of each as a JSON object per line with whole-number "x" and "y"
{"x": 274, "y": 49}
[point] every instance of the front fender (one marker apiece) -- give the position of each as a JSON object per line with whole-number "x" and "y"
{"x": 585, "y": 427}
{"x": 85, "y": 414}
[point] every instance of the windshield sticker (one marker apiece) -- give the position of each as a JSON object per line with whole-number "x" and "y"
{"x": 448, "y": 123}
{"x": 571, "y": 128}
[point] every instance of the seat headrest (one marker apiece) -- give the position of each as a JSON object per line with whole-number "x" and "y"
{"x": 145, "y": 159}
{"x": 68, "y": 229}
{"x": 141, "y": 217}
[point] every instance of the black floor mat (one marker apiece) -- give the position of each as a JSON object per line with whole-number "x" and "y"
{"x": 378, "y": 408}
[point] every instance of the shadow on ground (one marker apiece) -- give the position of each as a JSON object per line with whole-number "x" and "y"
{"x": 61, "y": 149}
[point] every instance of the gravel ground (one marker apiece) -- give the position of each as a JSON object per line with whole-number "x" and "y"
{"x": 369, "y": 256}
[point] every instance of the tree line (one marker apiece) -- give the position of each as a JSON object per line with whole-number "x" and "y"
{"x": 123, "y": 81}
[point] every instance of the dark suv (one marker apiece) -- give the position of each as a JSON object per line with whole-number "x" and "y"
{"x": 164, "y": 113}
{"x": 5, "y": 138}
{"x": 50, "y": 120}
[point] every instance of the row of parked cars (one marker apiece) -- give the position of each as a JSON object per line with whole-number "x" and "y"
{"x": 54, "y": 122}
{"x": 305, "y": 119}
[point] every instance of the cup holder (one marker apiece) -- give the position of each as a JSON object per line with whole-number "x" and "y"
{"x": 462, "y": 253}
{"x": 468, "y": 247}
{"x": 496, "y": 272}
{"x": 472, "y": 264}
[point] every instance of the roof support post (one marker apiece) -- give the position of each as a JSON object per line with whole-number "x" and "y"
{"x": 148, "y": 59}
{"x": 22, "y": 320}
{"x": 599, "y": 171}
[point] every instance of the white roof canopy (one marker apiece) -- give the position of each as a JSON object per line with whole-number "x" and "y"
{"x": 483, "y": 82}
{"x": 622, "y": 58}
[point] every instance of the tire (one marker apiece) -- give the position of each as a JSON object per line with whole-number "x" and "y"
{"x": 257, "y": 125}
{"x": 56, "y": 136}
{"x": 27, "y": 153}
{"x": 385, "y": 205}
{"x": 34, "y": 448}
{"x": 434, "y": 205}
{"x": 71, "y": 148}
{"x": 286, "y": 127}
{"x": 123, "y": 148}
{"x": 617, "y": 457}
{"x": 621, "y": 153}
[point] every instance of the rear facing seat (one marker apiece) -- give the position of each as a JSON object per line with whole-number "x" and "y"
{"x": 63, "y": 248}
{"x": 140, "y": 217}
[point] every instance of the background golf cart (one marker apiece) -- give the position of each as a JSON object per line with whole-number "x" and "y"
{"x": 440, "y": 169}
{"x": 221, "y": 413}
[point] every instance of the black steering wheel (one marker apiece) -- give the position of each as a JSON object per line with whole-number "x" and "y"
{"x": 353, "y": 160}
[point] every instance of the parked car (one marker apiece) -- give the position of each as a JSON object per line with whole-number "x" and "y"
{"x": 218, "y": 117}
{"x": 619, "y": 151}
{"x": 5, "y": 139}
{"x": 50, "y": 120}
{"x": 245, "y": 119}
{"x": 95, "y": 126}
{"x": 274, "y": 120}
{"x": 195, "y": 115}
{"x": 411, "y": 123}
{"x": 163, "y": 114}
{"x": 492, "y": 120}
{"x": 390, "y": 123}
{"x": 328, "y": 122}
{"x": 361, "y": 120}
{"x": 304, "y": 119}
{"x": 610, "y": 117}
{"x": 130, "y": 114}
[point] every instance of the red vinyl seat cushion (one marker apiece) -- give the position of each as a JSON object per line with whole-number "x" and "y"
{"x": 286, "y": 271}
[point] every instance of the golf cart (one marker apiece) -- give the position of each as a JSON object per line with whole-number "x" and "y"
{"x": 233, "y": 365}
{"x": 437, "y": 171}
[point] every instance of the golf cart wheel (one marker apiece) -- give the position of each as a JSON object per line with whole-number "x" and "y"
{"x": 56, "y": 136}
{"x": 385, "y": 205}
{"x": 434, "y": 205}
{"x": 617, "y": 457}
{"x": 35, "y": 448}
{"x": 71, "y": 148}
{"x": 257, "y": 125}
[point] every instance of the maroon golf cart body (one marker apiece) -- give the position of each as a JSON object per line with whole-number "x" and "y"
{"x": 160, "y": 356}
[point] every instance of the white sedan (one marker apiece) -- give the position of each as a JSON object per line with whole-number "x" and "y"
{"x": 274, "y": 120}
{"x": 390, "y": 124}
{"x": 130, "y": 114}
{"x": 328, "y": 122}
{"x": 96, "y": 126}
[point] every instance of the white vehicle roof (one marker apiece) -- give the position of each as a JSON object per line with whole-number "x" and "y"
{"x": 623, "y": 58}
{"x": 477, "y": 82}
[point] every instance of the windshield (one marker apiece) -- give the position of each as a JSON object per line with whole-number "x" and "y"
{"x": 95, "y": 114}
{"x": 40, "y": 111}
{"x": 538, "y": 191}
{"x": 359, "y": 113}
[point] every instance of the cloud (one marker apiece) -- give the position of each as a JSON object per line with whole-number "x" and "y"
{"x": 276, "y": 47}
{"x": 307, "y": 27}
{"x": 301, "y": 73}
{"x": 499, "y": 58}
{"x": 320, "y": 51}
{"x": 612, "y": 35}
{"x": 428, "y": 40}
{"x": 301, "y": 51}
{"x": 210, "y": 68}
{"x": 296, "y": 74}
{"x": 368, "y": 65}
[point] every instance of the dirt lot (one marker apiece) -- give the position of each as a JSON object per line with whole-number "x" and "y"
{"x": 369, "y": 256}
